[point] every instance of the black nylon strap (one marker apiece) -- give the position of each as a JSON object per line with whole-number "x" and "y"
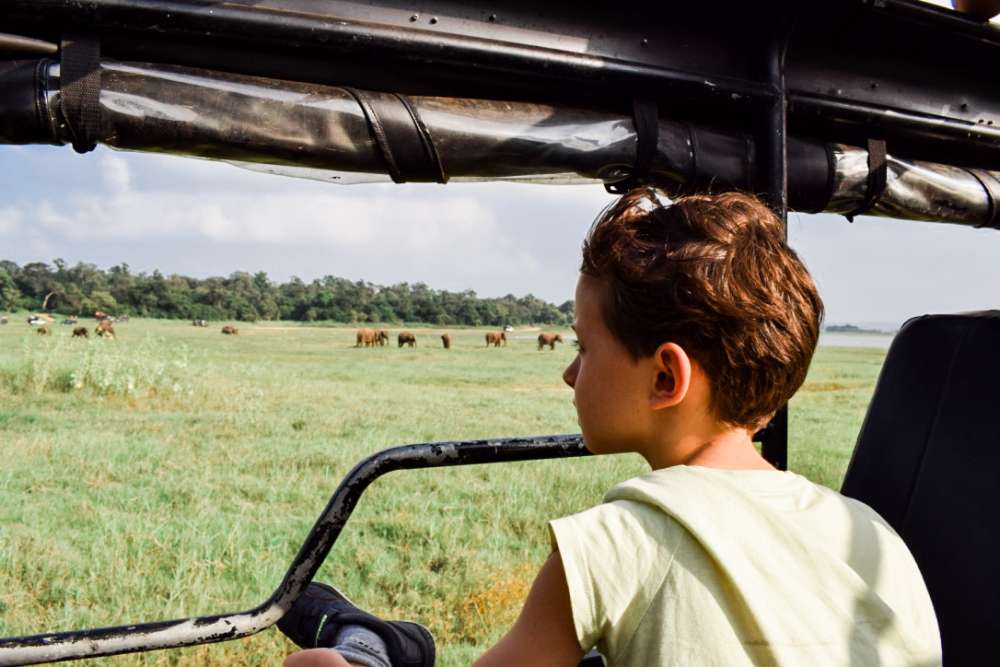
{"x": 878, "y": 167}
{"x": 401, "y": 136}
{"x": 430, "y": 150}
{"x": 646, "y": 117}
{"x": 80, "y": 89}
{"x": 378, "y": 132}
{"x": 647, "y": 125}
{"x": 991, "y": 184}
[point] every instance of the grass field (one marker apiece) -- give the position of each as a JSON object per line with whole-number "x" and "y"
{"x": 175, "y": 472}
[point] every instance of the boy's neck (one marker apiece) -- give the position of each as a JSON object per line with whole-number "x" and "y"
{"x": 727, "y": 449}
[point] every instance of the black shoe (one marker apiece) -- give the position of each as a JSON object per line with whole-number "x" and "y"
{"x": 319, "y": 613}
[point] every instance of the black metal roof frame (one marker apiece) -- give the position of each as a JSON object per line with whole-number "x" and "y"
{"x": 919, "y": 76}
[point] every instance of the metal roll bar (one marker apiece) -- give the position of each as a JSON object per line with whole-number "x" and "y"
{"x": 97, "y": 642}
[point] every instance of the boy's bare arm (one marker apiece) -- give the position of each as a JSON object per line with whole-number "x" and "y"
{"x": 543, "y": 634}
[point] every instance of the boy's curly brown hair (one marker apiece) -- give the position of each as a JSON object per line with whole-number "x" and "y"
{"x": 713, "y": 274}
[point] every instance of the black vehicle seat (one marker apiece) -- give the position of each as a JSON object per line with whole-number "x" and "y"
{"x": 928, "y": 460}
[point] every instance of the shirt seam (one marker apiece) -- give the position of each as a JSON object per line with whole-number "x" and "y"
{"x": 574, "y": 569}
{"x": 645, "y": 612}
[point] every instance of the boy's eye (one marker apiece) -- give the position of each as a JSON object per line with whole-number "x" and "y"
{"x": 576, "y": 344}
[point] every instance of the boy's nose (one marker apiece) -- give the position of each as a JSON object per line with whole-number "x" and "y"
{"x": 569, "y": 375}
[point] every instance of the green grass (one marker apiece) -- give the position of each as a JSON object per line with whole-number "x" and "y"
{"x": 175, "y": 472}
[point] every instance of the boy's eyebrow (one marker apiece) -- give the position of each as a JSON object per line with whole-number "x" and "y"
{"x": 573, "y": 327}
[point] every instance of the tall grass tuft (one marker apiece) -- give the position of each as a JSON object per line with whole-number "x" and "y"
{"x": 99, "y": 367}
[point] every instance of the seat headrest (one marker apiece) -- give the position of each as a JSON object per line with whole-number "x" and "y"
{"x": 928, "y": 460}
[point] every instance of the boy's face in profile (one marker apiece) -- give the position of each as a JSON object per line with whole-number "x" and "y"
{"x": 610, "y": 388}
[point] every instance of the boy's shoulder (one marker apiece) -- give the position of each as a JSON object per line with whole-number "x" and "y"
{"x": 725, "y": 513}
{"x": 715, "y": 532}
{"x": 699, "y": 490}
{"x": 737, "y": 514}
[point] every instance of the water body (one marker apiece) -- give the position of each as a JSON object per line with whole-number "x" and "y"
{"x": 843, "y": 339}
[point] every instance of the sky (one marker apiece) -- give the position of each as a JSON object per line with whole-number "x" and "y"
{"x": 200, "y": 218}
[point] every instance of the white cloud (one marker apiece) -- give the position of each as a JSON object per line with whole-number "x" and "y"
{"x": 491, "y": 238}
{"x": 199, "y": 217}
{"x": 10, "y": 220}
{"x": 117, "y": 177}
{"x": 416, "y": 224}
{"x": 879, "y": 270}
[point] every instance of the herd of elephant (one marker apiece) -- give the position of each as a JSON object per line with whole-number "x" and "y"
{"x": 105, "y": 326}
{"x": 380, "y": 338}
{"x": 365, "y": 337}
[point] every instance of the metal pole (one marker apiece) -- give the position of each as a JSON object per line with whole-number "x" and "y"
{"x": 774, "y": 438}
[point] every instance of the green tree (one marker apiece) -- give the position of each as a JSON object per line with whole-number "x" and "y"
{"x": 103, "y": 300}
{"x": 10, "y": 295}
{"x": 84, "y": 288}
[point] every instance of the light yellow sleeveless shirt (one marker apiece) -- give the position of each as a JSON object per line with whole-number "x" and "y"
{"x": 697, "y": 566}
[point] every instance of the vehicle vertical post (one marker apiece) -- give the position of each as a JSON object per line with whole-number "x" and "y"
{"x": 772, "y": 178}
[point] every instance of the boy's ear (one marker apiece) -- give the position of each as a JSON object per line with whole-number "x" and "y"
{"x": 672, "y": 368}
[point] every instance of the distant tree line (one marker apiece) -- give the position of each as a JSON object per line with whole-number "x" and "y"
{"x": 85, "y": 288}
{"x": 849, "y": 328}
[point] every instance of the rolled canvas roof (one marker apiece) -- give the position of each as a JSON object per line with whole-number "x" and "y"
{"x": 539, "y": 93}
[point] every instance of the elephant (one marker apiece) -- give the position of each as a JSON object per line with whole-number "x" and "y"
{"x": 549, "y": 339}
{"x": 494, "y": 338}
{"x": 105, "y": 329}
{"x": 366, "y": 338}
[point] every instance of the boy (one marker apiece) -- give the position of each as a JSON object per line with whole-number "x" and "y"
{"x": 695, "y": 323}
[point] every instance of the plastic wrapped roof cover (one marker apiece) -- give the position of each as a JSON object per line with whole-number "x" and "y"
{"x": 345, "y": 135}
